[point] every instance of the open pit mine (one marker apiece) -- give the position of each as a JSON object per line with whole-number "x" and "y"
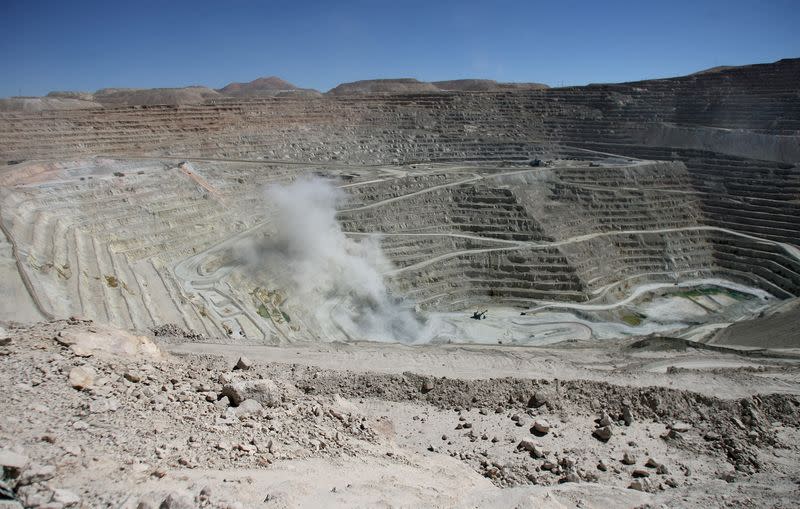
{"x": 404, "y": 293}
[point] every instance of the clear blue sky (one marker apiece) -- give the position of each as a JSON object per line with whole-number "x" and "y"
{"x": 74, "y": 45}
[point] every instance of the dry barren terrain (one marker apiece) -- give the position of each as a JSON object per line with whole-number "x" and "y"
{"x": 403, "y": 294}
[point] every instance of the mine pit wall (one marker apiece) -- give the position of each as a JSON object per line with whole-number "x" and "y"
{"x": 742, "y": 143}
{"x": 519, "y": 246}
{"x": 757, "y": 197}
{"x": 502, "y": 277}
{"x": 762, "y": 99}
{"x": 440, "y": 127}
{"x": 103, "y": 248}
{"x": 610, "y": 226}
{"x": 716, "y": 187}
{"x": 672, "y": 243}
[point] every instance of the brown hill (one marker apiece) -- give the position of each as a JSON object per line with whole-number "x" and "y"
{"x": 32, "y": 104}
{"x": 411, "y": 86}
{"x": 713, "y": 70}
{"x": 260, "y": 86}
{"x": 71, "y": 94}
{"x": 384, "y": 86}
{"x": 152, "y": 96}
{"x": 479, "y": 85}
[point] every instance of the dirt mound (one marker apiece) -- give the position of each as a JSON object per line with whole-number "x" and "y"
{"x": 153, "y": 96}
{"x": 712, "y": 70}
{"x": 260, "y": 86}
{"x": 71, "y": 94}
{"x": 190, "y": 426}
{"x": 384, "y": 86}
{"x": 33, "y": 104}
{"x": 478, "y": 85}
{"x": 777, "y": 328}
{"x": 659, "y": 344}
{"x": 411, "y": 86}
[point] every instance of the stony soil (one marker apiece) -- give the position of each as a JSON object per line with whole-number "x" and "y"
{"x": 132, "y": 426}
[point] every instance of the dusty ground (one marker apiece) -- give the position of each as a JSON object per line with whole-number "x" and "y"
{"x": 103, "y": 418}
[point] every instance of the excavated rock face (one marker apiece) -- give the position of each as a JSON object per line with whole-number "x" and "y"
{"x": 166, "y": 244}
{"x": 636, "y": 183}
{"x": 156, "y": 218}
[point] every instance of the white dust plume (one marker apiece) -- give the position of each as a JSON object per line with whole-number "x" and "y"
{"x": 338, "y": 277}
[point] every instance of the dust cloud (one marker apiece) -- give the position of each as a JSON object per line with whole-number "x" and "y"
{"x": 323, "y": 266}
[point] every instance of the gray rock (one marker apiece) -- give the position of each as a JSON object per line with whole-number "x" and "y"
{"x": 639, "y": 472}
{"x": 528, "y": 445}
{"x": 243, "y": 363}
{"x": 570, "y": 477}
{"x": 541, "y": 426}
{"x": 603, "y": 434}
{"x": 628, "y": 458}
{"x": 627, "y": 415}
{"x": 265, "y": 392}
{"x": 248, "y": 407}
{"x": 641, "y": 485}
{"x": 177, "y": 501}
{"x": 248, "y": 448}
{"x": 103, "y": 405}
{"x": 65, "y": 497}
{"x": 34, "y": 495}
{"x": 134, "y": 376}
{"x": 12, "y": 460}
{"x": 82, "y": 377}
{"x": 36, "y": 473}
{"x": 680, "y": 426}
{"x": 427, "y": 385}
{"x": 604, "y": 420}
{"x": 538, "y": 399}
{"x": 223, "y": 402}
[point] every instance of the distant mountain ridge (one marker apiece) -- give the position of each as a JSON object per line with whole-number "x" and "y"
{"x": 274, "y": 86}
{"x": 481, "y": 85}
{"x": 411, "y": 85}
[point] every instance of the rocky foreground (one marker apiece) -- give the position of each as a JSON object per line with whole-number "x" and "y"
{"x": 98, "y": 417}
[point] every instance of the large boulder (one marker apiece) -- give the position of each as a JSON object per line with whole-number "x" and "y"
{"x": 265, "y": 392}
{"x": 540, "y": 398}
{"x": 101, "y": 339}
{"x": 247, "y": 407}
{"x": 82, "y": 377}
{"x": 12, "y": 461}
{"x": 177, "y": 501}
{"x": 243, "y": 363}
